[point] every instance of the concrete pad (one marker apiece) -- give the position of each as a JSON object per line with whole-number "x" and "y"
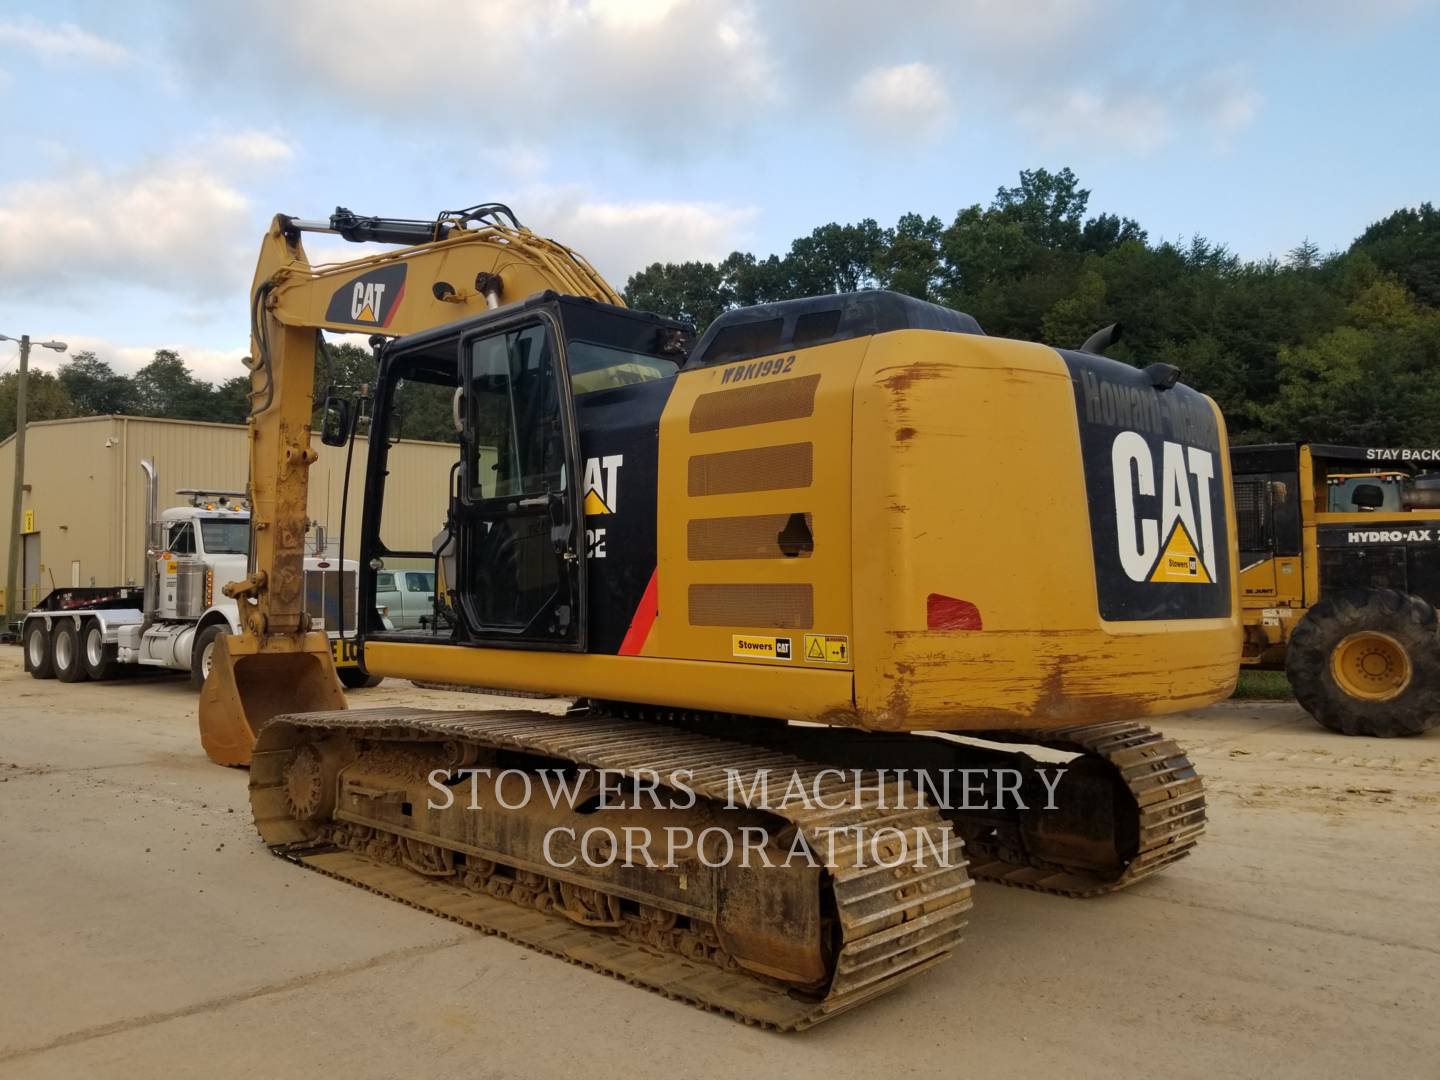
{"x": 1300, "y": 940}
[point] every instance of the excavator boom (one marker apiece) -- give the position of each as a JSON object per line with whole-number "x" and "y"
{"x": 462, "y": 263}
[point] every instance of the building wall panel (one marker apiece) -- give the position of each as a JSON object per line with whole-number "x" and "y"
{"x": 87, "y": 492}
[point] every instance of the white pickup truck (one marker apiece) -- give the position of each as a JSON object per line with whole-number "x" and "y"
{"x": 408, "y": 597}
{"x": 172, "y": 621}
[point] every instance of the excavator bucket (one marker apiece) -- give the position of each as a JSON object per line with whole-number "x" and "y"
{"x": 246, "y": 687}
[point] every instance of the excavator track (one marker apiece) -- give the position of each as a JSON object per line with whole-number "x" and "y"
{"x": 1155, "y": 797}
{"x": 887, "y": 924}
{"x": 1169, "y": 798}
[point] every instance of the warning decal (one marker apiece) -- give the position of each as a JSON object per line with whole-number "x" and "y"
{"x": 1179, "y": 561}
{"x": 767, "y": 648}
{"x": 827, "y": 648}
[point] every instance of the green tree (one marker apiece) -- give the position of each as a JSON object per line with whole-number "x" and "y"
{"x": 94, "y": 387}
{"x": 1407, "y": 244}
{"x": 165, "y": 387}
{"x": 694, "y": 292}
{"x": 910, "y": 259}
{"x": 835, "y": 258}
{"x": 1339, "y": 347}
{"x": 45, "y": 399}
{"x": 230, "y": 401}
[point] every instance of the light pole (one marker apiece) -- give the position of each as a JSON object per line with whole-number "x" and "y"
{"x": 12, "y": 606}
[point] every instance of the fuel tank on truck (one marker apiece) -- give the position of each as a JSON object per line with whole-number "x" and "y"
{"x": 1041, "y": 537}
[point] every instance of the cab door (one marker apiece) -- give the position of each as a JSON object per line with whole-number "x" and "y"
{"x": 521, "y": 562}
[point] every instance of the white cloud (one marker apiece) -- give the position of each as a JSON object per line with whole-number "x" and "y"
{"x": 621, "y": 237}
{"x": 177, "y": 223}
{"x": 1138, "y": 123}
{"x": 62, "y": 41}
{"x": 252, "y": 148}
{"x": 661, "y": 70}
{"x": 1140, "y": 120}
{"x": 905, "y": 101}
{"x": 1334, "y": 16}
{"x": 1223, "y": 102}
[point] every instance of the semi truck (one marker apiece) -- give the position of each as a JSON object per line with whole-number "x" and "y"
{"x": 174, "y": 617}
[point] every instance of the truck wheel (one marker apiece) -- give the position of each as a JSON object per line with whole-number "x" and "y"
{"x": 99, "y": 658}
{"x": 1367, "y": 662}
{"x": 65, "y": 648}
{"x": 355, "y": 678}
{"x": 39, "y": 660}
{"x": 204, "y": 652}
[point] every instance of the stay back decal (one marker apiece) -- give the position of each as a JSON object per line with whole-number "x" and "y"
{"x": 1155, "y": 486}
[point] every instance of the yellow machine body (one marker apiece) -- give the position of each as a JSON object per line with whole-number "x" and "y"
{"x": 938, "y": 470}
{"x": 954, "y": 581}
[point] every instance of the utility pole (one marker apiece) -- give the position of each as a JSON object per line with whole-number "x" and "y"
{"x": 12, "y": 590}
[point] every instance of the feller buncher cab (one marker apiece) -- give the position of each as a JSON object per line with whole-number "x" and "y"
{"x": 1340, "y": 575}
{"x": 807, "y": 515}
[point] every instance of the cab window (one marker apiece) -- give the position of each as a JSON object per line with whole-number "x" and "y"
{"x": 182, "y": 539}
{"x": 384, "y": 582}
{"x": 1343, "y": 491}
{"x": 602, "y": 367}
{"x": 515, "y": 446}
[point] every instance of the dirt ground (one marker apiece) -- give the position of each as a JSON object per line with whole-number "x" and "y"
{"x": 144, "y": 931}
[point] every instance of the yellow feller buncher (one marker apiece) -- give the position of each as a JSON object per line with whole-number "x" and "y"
{"x": 1339, "y": 579}
{"x": 763, "y": 563}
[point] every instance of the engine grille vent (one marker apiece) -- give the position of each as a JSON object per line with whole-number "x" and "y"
{"x": 760, "y": 468}
{"x": 762, "y": 606}
{"x": 762, "y": 403}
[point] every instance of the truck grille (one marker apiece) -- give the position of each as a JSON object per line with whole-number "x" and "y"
{"x": 322, "y": 598}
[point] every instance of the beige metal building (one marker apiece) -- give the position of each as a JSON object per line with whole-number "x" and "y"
{"x": 84, "y": 501}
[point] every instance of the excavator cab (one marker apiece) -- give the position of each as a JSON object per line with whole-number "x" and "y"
{"x": 525, "y": 495}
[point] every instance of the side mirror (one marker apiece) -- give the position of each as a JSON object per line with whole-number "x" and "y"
{"x": 335, "y": 421}
{"x": 1368, "y": 496}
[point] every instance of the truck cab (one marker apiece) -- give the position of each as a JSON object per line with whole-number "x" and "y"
{"x": 173, "y": 621}
{"x": 201, "y": 546}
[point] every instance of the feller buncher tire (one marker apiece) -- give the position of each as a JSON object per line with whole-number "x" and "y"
{"x": 1367, "y": 662}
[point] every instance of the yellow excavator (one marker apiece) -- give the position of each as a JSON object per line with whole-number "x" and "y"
{"x": 812, "y": 580}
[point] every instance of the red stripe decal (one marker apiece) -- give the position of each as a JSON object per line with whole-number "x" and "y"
{"x": 643, "y": 619}
{"x": 394, "y": 305}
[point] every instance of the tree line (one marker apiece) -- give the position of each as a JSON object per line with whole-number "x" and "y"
{"x": 85, "y": 385}
{"x": 1337, "y": 346}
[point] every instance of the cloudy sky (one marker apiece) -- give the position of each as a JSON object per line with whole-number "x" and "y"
{"x": 147, "y": 144}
